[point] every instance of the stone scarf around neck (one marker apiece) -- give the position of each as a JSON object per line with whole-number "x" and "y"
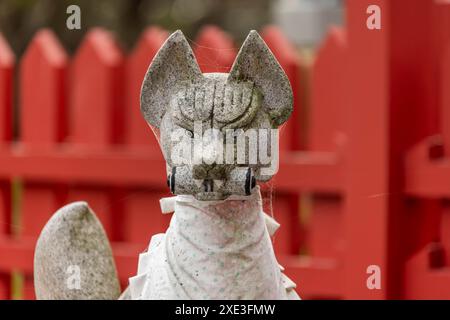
{"x": 213, "y": 250}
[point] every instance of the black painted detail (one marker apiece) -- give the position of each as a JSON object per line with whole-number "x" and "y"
{"x": 172, "y": 180}
{"x": 248, "y": 180}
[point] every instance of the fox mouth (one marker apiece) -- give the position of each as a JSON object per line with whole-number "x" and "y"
{"x": 240, "y": 181}
{"x": 208, "y": 185}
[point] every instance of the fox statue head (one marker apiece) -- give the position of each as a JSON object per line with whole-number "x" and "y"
{"x": 218, "y": 131}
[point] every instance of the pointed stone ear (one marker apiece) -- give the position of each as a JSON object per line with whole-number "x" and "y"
{"x": 173, "y": 65}
{"x": 255, "y": 62}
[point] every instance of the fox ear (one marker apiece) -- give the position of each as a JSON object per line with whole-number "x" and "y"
{"x": 173, "y": 65}
{"x": 255, "y": 62}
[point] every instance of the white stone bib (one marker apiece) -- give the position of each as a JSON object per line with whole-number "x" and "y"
{"x": 213, "y": 250}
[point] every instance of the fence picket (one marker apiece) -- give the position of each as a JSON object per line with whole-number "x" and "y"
{"x": 143, "y": 215}
{"x": 97, "y": 114}
{"x": 7, "y": 64}
{"x": 326, "y": 129}
{"x": 42, "y": 96}
{"x": 137, "y": 131}
{"x": 286, "y": 207}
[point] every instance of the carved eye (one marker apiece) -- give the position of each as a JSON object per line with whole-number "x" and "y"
{"x": 240, "y": 103}
{"x": 193, "y": 102}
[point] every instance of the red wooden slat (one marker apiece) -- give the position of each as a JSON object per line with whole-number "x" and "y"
{"x": 42, "y": 124}
{"x": 97, "y": 94}
{"x": 417, "y": 110}
{"x": 289, "y": 60}
{"x": 315, "y": 278}
{"x": 42, "y": 97}
{"x": 425, "y": 283}
{"x": 20, "y": 253}
{"x": 43, "y": 92}
{"x": 7, "y": 63}
{"x": 286, "y": 206}
{"x": 392, "y": 95}
{"x": 326, "y": 128}
{"x": 427, "y": 175}
{"x": 143, "y": 215}
{"x": 328, "y": 114}
{"x": 285, "y": 210}
{"x": 445, "y": 99}
{"x": 439, "y": 60}
{"x": 445, "y": 113}
{"x": 326, "y": 226}
{"x": 299, "y": 171}
{"x": 97, "y": 113}
{"x": 115, "y": 167}
{"x": 138, "y": 132}
{"x": 214, "y": 50}
{"x": 367, "y": 203}
{"x": 5, "y": 230}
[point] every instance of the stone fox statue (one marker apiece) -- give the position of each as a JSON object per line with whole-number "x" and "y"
{"x": 219, "y": 136}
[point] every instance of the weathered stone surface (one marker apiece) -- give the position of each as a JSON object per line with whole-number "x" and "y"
{"x": 174, "y": 64}
{"x": 213, "y": 250}
{"x": 177, "y": 98}
{"x": 73, "y": 240}
{"x": 256, "y": 62}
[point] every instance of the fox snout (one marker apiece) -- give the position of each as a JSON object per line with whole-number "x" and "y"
{"x": 207, "y": 186}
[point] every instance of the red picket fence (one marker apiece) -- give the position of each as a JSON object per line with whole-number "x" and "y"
{"x": 81, "y": 136}
{"x": 370, "y": 187}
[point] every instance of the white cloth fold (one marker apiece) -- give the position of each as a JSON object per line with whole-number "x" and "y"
{"x": 213, "y": 250}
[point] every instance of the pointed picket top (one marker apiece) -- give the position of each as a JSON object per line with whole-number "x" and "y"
{"x": 96, "y": 98}
{"x": 7, "y": 57}
{"x": 285, "y": 52}
{"x": 148, "y": 45}
{"x": 335, "y": 38}
{"x": 137, "y": 131}
{"x": 46, "y": 44}
{"x": 7, "y": 63}
{"x": 43, "y": 91}
{"x": 328, "y": 111}
{"x": 101, "y": 45}
{"x": 214, "y": 50}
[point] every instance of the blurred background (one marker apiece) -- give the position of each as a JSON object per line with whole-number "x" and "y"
{"x": 304, "y": 21}
{"x": 362, "y": 193}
